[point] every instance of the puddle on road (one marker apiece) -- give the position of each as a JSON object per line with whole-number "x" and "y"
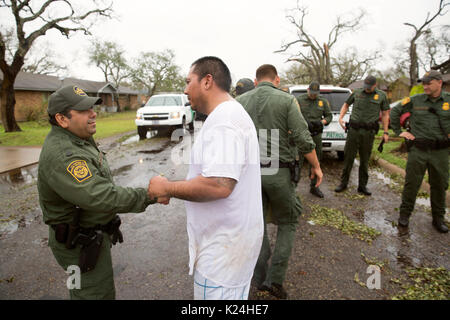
{"x": 122, "y": 170}
{"x": 159, "y": 150}
{"x": 420, "y": 201}
{"x": 378, "y": 221}
{"x": 135, "y": 138}
{"x": 18, "y": 177}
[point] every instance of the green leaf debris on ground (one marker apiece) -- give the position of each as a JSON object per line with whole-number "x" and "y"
{"x": 425, "y": 284}
{"x": 337, "y": 219}
{"x": 374, "y": 261}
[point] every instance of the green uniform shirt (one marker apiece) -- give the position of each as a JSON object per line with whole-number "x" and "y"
{"x": 367, "y": 106}
{"x": 315, "y": 110}
{"x": 424, "y": 124}
{"x": 73, "y": 171}
{"x": 271, "y": 108}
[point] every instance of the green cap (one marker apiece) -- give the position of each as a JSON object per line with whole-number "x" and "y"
{"x": 244, "y": 85}
{"x": 369, "y": 82}
{"x": 314, "y": 87}
{"x": 70, "y": 97}
{"x": 430, "y": 75}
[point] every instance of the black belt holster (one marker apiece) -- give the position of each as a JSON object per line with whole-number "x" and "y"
{"x": 294, "y": 167}
{"x": 90, "y": 239}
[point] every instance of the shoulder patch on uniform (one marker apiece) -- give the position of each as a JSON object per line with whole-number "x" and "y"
{"x": 320, "y": 103}
{"x": 376, "y": 97}
{"x": 406, "y": 101}
{"x": 446, "y": 106}
{"x": 79, "y": 170}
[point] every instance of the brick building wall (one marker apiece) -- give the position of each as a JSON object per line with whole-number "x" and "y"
{"x": 27, "y": 101}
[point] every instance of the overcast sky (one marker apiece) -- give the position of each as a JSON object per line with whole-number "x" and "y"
{"x": 244, "y": 33}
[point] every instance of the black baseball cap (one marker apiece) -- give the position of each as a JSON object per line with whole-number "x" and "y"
{"x": 369, "y": 82}
{"x": 431, "y": 75}
{"x": 70, "y": 97}
{"x": 244, "y": 85}
{"x": 314, "y": 87}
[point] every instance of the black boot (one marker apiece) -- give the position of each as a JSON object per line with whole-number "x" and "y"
{"x": 341, "y": 188}
{"x": 364, "y": 190}
{"x": 278, "y": 291}
{"x": 439, "y": 225}
{"x": 403, "y": 220}
{"x": 316, "y": 191}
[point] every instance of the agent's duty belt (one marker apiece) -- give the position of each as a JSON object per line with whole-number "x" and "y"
{"x": 364, "y": 125}
{"x": 280, "y": 165}
{"x": 112, "y": 228}
{"x": 427, "y": 144}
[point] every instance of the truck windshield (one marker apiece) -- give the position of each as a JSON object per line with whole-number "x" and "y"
{"x": 336, "y": 98}
{"x": 164, "y": 101}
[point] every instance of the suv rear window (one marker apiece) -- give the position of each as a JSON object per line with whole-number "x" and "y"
{"x": 164, "y": 101}
{"x": 335, "y": 98}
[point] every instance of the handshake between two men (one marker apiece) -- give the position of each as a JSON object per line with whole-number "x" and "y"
{"x": 158, "y": 189}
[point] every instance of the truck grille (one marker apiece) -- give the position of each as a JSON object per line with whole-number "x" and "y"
{"x": 156, "y": 116}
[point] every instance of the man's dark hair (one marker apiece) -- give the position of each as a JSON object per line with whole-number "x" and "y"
{"x": 52, "y": 119}
{"x": 266, "y": 71}
{"x": 216, "y": 68}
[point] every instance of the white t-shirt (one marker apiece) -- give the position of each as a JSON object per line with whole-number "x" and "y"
{"x": 225, "y": 235}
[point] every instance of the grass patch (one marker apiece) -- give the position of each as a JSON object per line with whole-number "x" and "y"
{"x": 388, "y": 154}
{"x": 337, "y": 219}
{"x": 425, "y": 284}
{"x": 34, "y": 133}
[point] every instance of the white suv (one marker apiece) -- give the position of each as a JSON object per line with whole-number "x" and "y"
{"x": 164, "y": 111}
{"x": 333, "y": 136}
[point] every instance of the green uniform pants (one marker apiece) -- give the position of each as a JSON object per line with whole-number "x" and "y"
{"x": 281, "y": 207}
{"x": 436, "y": 162}
{"x": 358, "y": 141}
{"x": 318, "y": 141}
{"x": 97, "y": 284}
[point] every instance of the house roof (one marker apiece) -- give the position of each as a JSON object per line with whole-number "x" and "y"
{"x": 38, "y": 82}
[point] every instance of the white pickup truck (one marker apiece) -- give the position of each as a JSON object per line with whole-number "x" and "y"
{"x": 164, "y": 111}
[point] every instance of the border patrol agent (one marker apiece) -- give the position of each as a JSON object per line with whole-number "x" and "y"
{"x": 273, "y": 109}
{"x": 317, "y": 113}
{"x": 367, "y": 102}
{"x": 427, "y": 140}
{"x": 244, "y": 85}
{"x": 78, "y": 197}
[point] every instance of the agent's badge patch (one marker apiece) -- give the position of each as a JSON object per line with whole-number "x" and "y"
{"x": 79, "y": 170}
{"x": 446, "y": 106}
{"x": 321, "y": 103}
{"x": 376, "y": 97}
{"x": 79, "y": 92}
{"x": 406, "y": 101}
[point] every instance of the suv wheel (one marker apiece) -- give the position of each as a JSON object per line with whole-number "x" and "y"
{"x": 142, "y": 132}
{"x": 340, "y": 155}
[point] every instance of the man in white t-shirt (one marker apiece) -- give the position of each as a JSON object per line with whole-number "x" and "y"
{"x": 223, "y": 188}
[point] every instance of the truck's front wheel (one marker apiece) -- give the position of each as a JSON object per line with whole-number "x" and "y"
{"x": 142, "y": 132}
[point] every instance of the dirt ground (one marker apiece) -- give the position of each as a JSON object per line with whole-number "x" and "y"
{"x": 152, "y": 263}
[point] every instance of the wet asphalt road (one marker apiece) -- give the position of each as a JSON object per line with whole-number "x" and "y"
{"x": 152, "y": 263}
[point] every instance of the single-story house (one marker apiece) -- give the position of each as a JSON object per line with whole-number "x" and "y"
{"x": 33, "y": 90}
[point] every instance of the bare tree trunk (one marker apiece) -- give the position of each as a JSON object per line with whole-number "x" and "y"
{"x": 414, "y": 66}
{"x": 8, "y": 102}
{"x": 116, "y": 97}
